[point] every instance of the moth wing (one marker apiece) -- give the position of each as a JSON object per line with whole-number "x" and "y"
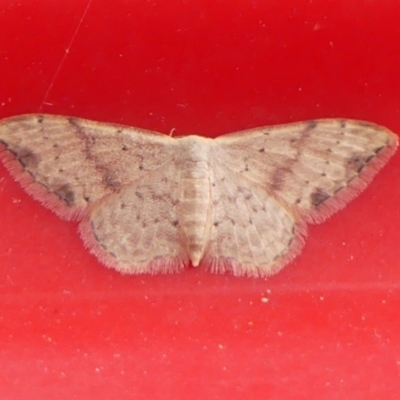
{"x": 69, "y": 163}
{"x": 252, "y": 233}
{"x": 317, "y": 167}
{"x": 138, "y": 230}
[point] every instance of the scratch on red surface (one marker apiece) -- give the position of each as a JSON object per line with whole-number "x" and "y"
{"x": 67, "y": 50}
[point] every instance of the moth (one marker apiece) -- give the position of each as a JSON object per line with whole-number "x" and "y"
{"x": 151, "y": 203}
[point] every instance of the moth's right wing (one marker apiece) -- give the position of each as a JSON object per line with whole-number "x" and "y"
{"x": 69, "y": 163}
{"x": 139, "y": 229}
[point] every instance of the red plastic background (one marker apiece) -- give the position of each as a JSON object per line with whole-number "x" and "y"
{"x": 326, "y": 327}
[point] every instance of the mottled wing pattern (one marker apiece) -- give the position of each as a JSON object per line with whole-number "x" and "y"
{"x": 69, "y": 163}
{"x": 252, "y": 233}
{"x": 138, "y": 229}
{"x": 316, "y": 167}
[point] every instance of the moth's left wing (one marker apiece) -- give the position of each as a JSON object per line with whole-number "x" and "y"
{"x": 315, "y": 166}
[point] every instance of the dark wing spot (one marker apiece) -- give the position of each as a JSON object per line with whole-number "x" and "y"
{"x": 65, "y": 193}
{"x": 175, "y": 222}
{"x": 311, "y": 124}
{"x": 103, "y": 246}
{"x": 124, "y": 148}
{"x": 111, "y": 183}
{"x": 73, "y": 121}
{"x": 278, "y": 181}
{"x": 368, "y": 159}
{"x": 356, "y": 163}
{"x": 27, "y": 157}
{"x": 351, "y": 179}
{"x": 262, "y": 150}
{"x": 40, "y": 119}
{"x": 94, "y": 232}
{"x": 157, "y": 197}
{"x": 318, "y": 197}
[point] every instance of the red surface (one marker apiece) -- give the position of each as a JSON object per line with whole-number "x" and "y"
{"x": 326, "y": 327}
